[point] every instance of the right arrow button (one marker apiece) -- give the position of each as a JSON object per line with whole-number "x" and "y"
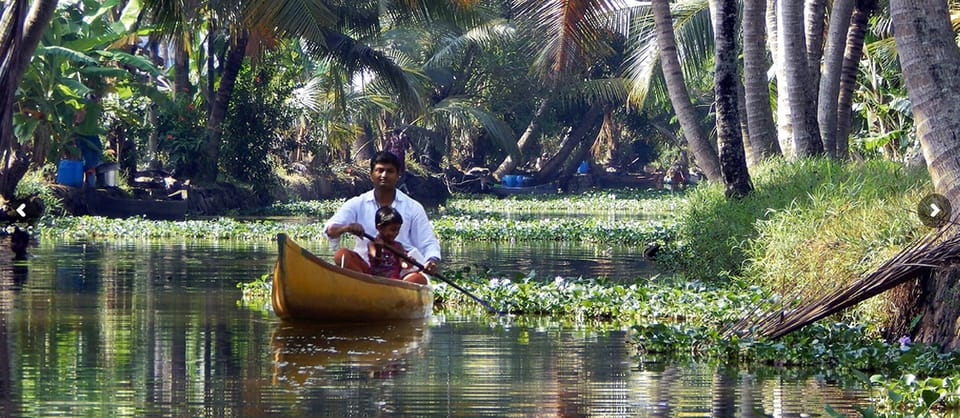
{"x": 934, "y": 210}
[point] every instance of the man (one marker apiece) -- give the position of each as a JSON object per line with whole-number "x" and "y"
{"x": 88, "y": 131}
{"x": 357, "y": 216}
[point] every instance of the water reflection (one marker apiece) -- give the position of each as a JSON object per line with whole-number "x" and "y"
{"x": 309, "y": 355}
{"x": 154, "y": 328}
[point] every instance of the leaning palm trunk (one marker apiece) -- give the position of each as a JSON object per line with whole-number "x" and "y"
{"x": 930, "y": 60}
{"x": 20, "y": 33}
{"x": 733, "y": 163}
{"x": 827, "y": 103}
{"x": 585, "y": 132}
{"x": 525, "y": 141}
{"x": 700, "y": 146}
{"x": 762, "y": 136}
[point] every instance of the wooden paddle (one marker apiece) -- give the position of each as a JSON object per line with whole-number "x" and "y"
{"x": 413, "y": 262}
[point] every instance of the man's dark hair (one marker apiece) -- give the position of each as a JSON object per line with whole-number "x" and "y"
{"x": 385, "y": 157}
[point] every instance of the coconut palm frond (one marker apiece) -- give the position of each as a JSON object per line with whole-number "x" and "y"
{"x": 309, "y": 20}
{"x": 884, "y": 51}
{"x": 642, "y": 58}
{"x": 623, "y": 19}
{"x": 466, "y": 112}
{"x": 609, "y": 91}
{"x": 692, "y": 24}
{"x": 137, "y": 62}
{"x": 564, "y": 33}
{"x": 694, "y": 41}
{"x": 483, "y": 35}
{"x": 356, "y": 57}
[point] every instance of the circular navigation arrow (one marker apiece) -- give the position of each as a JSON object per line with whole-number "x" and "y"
{"x": 934, "y": 210}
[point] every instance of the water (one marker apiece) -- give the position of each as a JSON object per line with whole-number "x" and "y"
{"x": 155, "y": 328}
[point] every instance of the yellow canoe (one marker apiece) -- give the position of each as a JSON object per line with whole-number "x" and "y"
{"x": 306, "y": 287}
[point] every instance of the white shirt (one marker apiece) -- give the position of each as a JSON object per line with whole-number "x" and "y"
{"x": 416, "y": 232}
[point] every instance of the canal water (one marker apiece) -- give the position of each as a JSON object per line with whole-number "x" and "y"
{"x": 157, "y": 328}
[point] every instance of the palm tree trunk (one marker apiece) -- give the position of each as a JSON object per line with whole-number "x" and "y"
{"x": 852, "y": 54}
{"x": 806, "y": 135}
{"x": 762, "y": 138}
{"x": 219, "y": 113}
{"x": 815, "y": 12}
{"x": 20, "y": 33}
{"x": 827, "y": 104}
{"x": 586, "y": 130}
{"x": 181, "y": 68}
{"x": 930, "y": 60}
{"x": 784, "y": 121}
{"x": 525, "y": 141}
{"x": 733, "y": 162}
{"x": 704, "y": 152}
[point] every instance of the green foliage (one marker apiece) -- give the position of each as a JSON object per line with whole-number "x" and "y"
{"x": 858, "y": 216}
{"x": 35, "y": 183}
{"x": 257, "y": 116}
{"x": 75, "y": 58}
{"x": 182, "y": 134}
{"x": 583, "y": 299}
{"x": 913, "y": 396}
{"x": 798, "y": 213}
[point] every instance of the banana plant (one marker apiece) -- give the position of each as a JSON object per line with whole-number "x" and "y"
{"x": 78, "y": 55}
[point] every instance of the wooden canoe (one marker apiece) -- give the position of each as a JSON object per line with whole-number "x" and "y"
{"x": 505, "y": 191}
{"x": 306, "y": 287}
{"x": 102, "y": 204}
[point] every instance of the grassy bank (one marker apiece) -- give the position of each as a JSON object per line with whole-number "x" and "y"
{"x": 809, "y": 226}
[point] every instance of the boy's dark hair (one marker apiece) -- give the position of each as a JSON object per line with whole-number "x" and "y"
{"x": 385, "y": 157}
{"x": 386, "y": 216}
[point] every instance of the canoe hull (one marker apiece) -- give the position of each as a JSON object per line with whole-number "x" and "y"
{"x": 308, "y": 288}
{"x": 100, "y": 204}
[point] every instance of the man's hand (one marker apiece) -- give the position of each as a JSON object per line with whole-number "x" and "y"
{"x": 431, "y": 266}
{"x": 335, "y": 231}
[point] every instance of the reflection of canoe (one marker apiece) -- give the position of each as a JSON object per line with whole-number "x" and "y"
{"x": 305, "y": 353}
{"x": 100, "y": 204}
{"x": 308, "y": 288}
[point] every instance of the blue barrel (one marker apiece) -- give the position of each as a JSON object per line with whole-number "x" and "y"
{"x": 70, "y": 173}
{"x": 510, "y": 181}
{"x": 584, "y": 168}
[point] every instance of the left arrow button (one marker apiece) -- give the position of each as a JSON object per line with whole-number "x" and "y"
{"x": 20, "y": 210}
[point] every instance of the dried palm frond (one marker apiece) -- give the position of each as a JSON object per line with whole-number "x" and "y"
{"x": 938, "y": 248}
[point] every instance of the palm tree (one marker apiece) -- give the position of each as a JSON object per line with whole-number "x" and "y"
{"x": 733, "y": 163}
{"x": 827, "y": 102}
{"x": 806, "y": 135}
{"x": 704, "y": 152}
{"x": 762, "y": 132}
{"x": 566, "y": 38}
{"x": 930, "y": 59}
{"x": 849, "y": 70}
